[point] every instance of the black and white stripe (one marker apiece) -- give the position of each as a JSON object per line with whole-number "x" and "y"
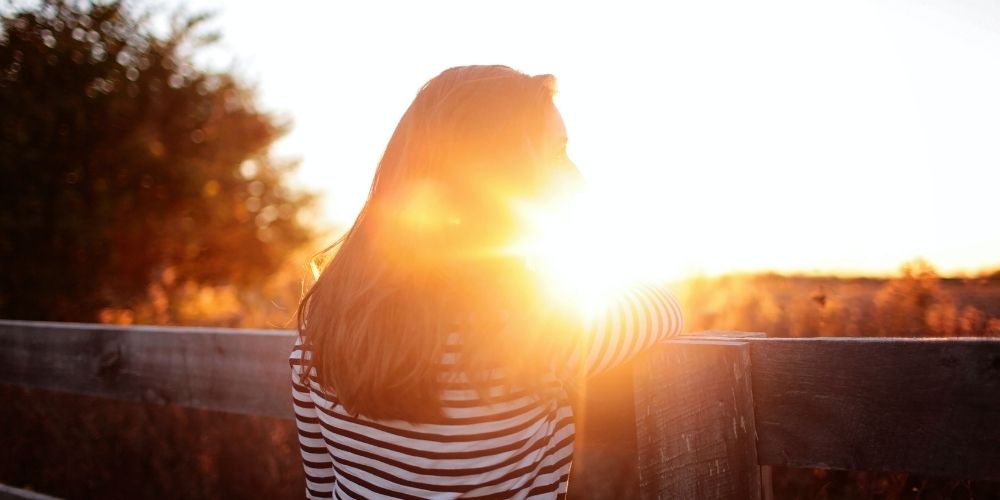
{"x": 516, "y": 447}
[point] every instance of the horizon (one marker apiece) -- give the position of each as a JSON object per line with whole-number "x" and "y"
{"x": 890, "y": 106}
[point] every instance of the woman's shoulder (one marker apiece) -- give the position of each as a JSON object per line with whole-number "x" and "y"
{"x": 298, "y": 359}
{"x": 301, "y": 349}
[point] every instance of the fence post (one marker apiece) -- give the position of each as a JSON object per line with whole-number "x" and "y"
{"x": 696, "y": 435}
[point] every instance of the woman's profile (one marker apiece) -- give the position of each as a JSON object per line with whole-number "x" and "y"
{"x": 432, "y": 362}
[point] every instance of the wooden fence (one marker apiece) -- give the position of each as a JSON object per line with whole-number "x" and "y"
{"x": 705, "y": 415}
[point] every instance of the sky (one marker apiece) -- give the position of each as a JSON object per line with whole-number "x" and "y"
{"x": 719, "y": 136}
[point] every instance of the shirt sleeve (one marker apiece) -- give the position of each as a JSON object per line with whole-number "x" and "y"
{"x": 625, "y": 326}
{"x": 319, "y": 472}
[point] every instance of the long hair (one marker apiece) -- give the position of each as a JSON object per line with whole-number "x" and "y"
{"x": 424, "y": 264}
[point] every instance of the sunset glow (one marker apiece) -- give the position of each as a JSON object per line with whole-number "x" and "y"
{"x": 722, "y": 136}
{"x": 591, "y": 245}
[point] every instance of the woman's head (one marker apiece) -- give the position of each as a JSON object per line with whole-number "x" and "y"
{"x": 475, "y": 141}
{"x": 427, "y": 251}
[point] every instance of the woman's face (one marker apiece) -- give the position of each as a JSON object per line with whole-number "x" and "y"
{"x": 564, "y": 177}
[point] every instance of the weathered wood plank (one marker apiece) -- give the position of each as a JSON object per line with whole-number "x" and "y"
{"x": 725, "y": 334}
{"x": 918, "y": 405}
{"x": 766, "y": 471}
{"x": 926, "y": 406}
{"x": 11, "y": 493}
{"x": 605, "y": 465}
{"x": 239, "y": 371}
{"x": 695, "y": 421}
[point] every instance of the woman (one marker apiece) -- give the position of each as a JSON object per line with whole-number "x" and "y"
{"x": 431, "y": 360}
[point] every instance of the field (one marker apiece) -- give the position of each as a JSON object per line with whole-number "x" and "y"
{"x": 916, "y": 304}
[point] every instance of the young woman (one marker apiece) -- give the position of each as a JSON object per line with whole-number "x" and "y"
{"x": 432, "y": 362}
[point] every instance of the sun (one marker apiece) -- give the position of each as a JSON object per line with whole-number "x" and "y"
{"x": 593, "y": 244}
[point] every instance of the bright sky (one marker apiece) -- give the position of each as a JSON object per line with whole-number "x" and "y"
{"x": 843, "y": 136}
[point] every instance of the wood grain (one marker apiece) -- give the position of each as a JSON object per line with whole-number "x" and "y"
{"x": 925, "y": 406}
{"x": 695, "y": 421}
{"x": 239, "y": 371}
{"x": 708, "y": 408}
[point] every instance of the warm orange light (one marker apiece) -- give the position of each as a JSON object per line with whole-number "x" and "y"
{"x": 422, "y": 208}
{"x": 591, "y": 245}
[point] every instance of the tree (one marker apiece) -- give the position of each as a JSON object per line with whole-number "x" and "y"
{"x": 121, "y": 161}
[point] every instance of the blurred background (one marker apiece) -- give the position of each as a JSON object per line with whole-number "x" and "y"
{"x": 797, "y": 168}
{"x": 184, "y": 159}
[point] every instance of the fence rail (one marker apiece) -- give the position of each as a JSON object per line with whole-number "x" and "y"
{"x": 223, "y": 369}
{"x": 710, "y": 409}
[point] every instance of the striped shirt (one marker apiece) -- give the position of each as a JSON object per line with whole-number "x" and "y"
{"x": 517, "y": 447}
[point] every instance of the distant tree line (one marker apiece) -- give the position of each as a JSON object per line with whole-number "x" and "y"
{"x": 125, "y": 166}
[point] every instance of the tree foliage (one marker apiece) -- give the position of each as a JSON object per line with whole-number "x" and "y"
{"x": 122, "y": 162}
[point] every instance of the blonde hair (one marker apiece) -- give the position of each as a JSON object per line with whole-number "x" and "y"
{"x": 424, "y": 257}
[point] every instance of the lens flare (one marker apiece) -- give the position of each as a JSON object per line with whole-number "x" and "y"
{"x": 591, "y": 245}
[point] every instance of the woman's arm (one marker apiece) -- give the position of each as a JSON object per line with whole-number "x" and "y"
{"x": 320, "y": 476}
{"x": 624, "y": 327}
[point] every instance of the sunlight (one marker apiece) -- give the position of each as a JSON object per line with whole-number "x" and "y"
{"x": 813, "y": 156}
{"x": 591, "y": 245}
